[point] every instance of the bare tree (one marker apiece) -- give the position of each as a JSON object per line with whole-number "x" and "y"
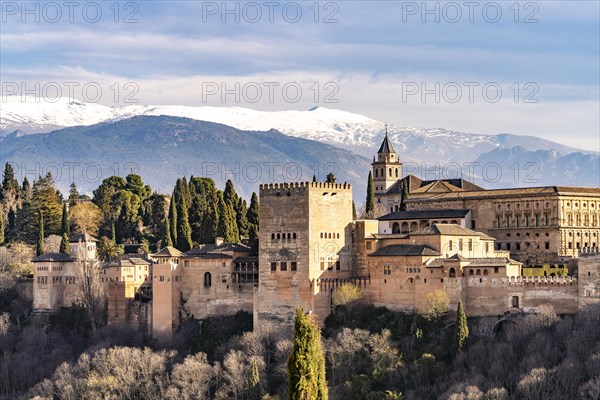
{"x": 90, "y": 286}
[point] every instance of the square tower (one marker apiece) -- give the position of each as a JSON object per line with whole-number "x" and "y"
{"x": 387, "y": 168}
{"x": 305, "y": 247}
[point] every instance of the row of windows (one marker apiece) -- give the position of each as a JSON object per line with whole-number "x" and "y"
{"x": 460, "y": 245}
{"x": 42, "y": 268}
{"x": 43, "y": 280}
{"x": 330, "y": 265}
{"x": 578, "y": 245}
{"x": 329, "y": 235}
{"x": 287, "y": 235}
{"x": 381, "y": 172}
{"x": 517, "y": 246}
{"x": 283, "y": 266}
{"x": 518, "y": 222}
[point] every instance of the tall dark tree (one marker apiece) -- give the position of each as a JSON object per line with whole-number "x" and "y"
{"x": 241, "y": 216}
{"x": 167, "y": 241}
{"x": 370, "y": 204}
{"x": 173, "y": 218}
{"x": 353, "y": 210}
{"x": 9, "y": 183}
{"x": 461, "y": 334}
{"x": 404, "y": 195}
{"x": 330, "y": 178}
{"x": 39, "y": 248}
{"x": 26, "y": 190}
{"x": 46, "y": 199}
{"x": 252, "y": 213}
{"x": 64, "y": 244}
{"x": 197, "y": 213}
{"x": 253, "y": 239}
{"x": 306, "y": 364}
{"x": 184, "y": 232}
{"x": 73, "y": 195}
{"x": 227, "y": 227}
{"x": 1, "y": 226}
{"x": 11, "y": 223}
{"x": 229, "y": 194}
{"x": 64, "y": 224}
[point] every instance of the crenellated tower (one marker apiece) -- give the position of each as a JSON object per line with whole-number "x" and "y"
{"x": 387, "y": 168}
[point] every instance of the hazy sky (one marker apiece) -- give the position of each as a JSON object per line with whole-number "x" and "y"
{"x": 485, "y": 67}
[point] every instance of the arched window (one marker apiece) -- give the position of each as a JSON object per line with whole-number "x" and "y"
{"x": 272, "y": 236}
{"x": 321, "y": 235}
{"x": 413, "y": 226}
{"x": 376, "y": 173}
{"x": 207, "y": 279}
{"x": 396, "y": 172}
{"x": 338, "y": 235}
{"x": 294, "y": 235}
{"x": 452, "y": 273}
{"x": 471, "y": 272}
{"x": 396, "y": 227}
{"x": 382, "y": 172}
{"x": 478, "y": 272}
{"x": 485, "y": 271}
{"x": 404, "y": 228}
{"x": 289, "y": 236}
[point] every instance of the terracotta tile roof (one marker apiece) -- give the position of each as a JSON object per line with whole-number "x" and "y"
{"x": 424, "y": 214}
{"x": 168, "y": 251}
{"x": 58, "y": 257}
{"x": 405, "y": 250}
{"x": 445, "y": 229}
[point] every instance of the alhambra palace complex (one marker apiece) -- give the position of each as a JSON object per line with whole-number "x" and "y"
{"x": 454, "y": 236}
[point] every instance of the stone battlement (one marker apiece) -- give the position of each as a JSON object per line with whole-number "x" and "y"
{"x": 273, "y": 187}
{"x": 540, "y": 280}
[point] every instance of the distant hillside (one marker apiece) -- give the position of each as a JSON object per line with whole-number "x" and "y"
{"x": 161, "y": 149}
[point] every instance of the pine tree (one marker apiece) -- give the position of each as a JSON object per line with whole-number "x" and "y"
{"x": 167, "y": 241}
{"x": 64, "y": 244}
{"x": 9, "y": 183}
{"x": 73, "y": 195}
{"x": 26, "y": 189}
{"x": 255, "y": 389}
{"x": 46, "y": 199}
{"x": 64, "y": 223}
{"x": 404, "y": 195}
{"x": 184, "y": 232}
{"x": 252, "y": 214}
{"x": 353, "y": 210}
{"x": 370, "y": 204}
{"x": 306, "y": 364}
{"x": 173, "y": 218}
{"x": 461, "y": 335}
{"x": 1, "y": 226}
{"x": 39, "y": 250}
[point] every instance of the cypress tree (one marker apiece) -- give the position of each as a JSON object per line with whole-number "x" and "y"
{"x": 1, "y": 226}
{"x": 353, "y": 210}
{"x": 306, "y": 364}
{"x": 64, "y": 244}
{"x": 229, "y": 194}
{"x": 197, "y": 212}
{"x": 113, "y": 232}
{"x": 39, "y": 250}
{"x": 64, "y": 223}
{"x": 173, "y": 218}
{"x": 252, "y": 213}
{"x": 404, "y": 195}
{"x": 241, "y": 216}
{"x": 167, "y": 241}
{"x": 255, "y": 389}
{"x": 227, "y": 227}
{"x": 253, "y": 239}
{"x": 461, "y": 335}
{"x": 370, "y": 204}
{"x": 184, "y": 232}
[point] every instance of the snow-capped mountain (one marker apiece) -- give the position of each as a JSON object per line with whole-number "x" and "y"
{"x": 419, "y": 148}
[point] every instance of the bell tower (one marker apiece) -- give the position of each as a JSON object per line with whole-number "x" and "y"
{"x": 387, "y": 168}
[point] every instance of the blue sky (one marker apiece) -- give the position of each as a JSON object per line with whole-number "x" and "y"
{"x": 373, "y": 52}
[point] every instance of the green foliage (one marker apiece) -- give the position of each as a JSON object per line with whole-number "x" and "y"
{"x": 461, "y": 333}
{"x": 73, "y": 195}
{"x": 64, "y": 224}
{"x": 370, "y": 204}
{"x": 9, "y": 183}
{"x": 241, "y": 216}
{"x": 353, "y": 210}
{"x": 184, "y": 232}
{"x": 252, "y": 213}
{"x": 253, "y": 239}
{"x": 404, "y": 197}
{"x": 306, "y": 364}
{"x": 207, "y": 334}
{"x": 144, "y": 247}
{"x": 108, "y": 249}
{"x": 39, "y": 248}
{"x": 227, "y": 227}
{"x": 255, "y": 388}
{"x": 64, "y": 244}
{"x": 167, "y": 241}
{"x": 71, "y": 321}
{"x": 1, "y": 226}
{"x": 173, "y": 218}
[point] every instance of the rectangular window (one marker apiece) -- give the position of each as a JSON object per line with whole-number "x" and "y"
{"x": 460, "y": 244}
{"x": 368, "y": 245}
{"x": 507, "y": 246}
{"x": 294, "y": 266}
{"x": 337, "y": 266}
{"x": 547, "y": 245}
{"x": 495, "y": 270}
{"x": 473, "y": 224}
{"x": 322, "y": 266}
{"x": 470, "y": 244}
{"x": 330, "y": 266}
{"x": 284, "y": 265}
{"x": 450, "y": 245}
{"x": 160, "y": 278}
{"x": 273, "y": 266}
{"x": 518, "y": 246}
